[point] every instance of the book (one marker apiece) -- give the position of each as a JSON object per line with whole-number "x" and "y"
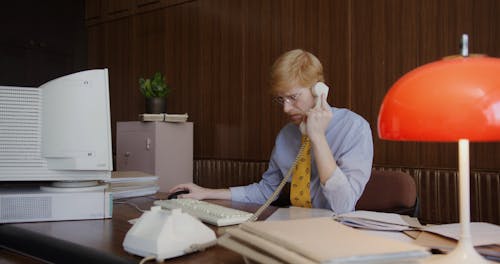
{"x": 131, "y": 176}
{"x": 124, "y": 184}
{"x": 134, "y": 192}
{"x": 317, "y": 240}
{"x": 176, "y": 118}
{"x": 152, "y": 117}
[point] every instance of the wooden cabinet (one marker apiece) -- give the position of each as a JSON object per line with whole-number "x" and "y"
{"x": 160, "y": 148}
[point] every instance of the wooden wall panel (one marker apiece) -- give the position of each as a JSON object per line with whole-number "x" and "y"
{"x": 118, "y": 36}
{"x": 96, "y": 48}
{"x": 260, "y": 116}
{"x": 148, "y": 40}
{"x": 222, "y": 70}
{"x": 384, "y": 45}
{"x": 439, "y": 30}
{"x": 93, "y": 10}
{"x": 217, "y": 55}
{"x": 216, "y": 68}
{"x": 114, "y": 9}
{"x": 182, "y": 57}
{"x": 274, "y": 27}
{"x": 332, "y": 45}
{"x": 485, "y": 34}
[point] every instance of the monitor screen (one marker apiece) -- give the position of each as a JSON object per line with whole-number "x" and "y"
{"x": 59, "y": 131}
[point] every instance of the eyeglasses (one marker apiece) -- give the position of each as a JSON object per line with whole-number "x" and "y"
{"x": 286, "y": 99}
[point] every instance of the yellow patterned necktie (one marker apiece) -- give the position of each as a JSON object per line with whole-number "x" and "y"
{"x": 299, "y": 192}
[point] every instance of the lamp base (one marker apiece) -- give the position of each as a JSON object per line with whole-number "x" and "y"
{"x": 463, "y": 253}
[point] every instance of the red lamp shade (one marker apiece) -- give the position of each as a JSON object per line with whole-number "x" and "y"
{"x": 447, "y": 100}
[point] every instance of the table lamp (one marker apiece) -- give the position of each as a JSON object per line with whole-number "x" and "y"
{"x": 456, "y": 99}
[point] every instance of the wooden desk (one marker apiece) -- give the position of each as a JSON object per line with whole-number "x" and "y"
{"x": 102, "y": 238}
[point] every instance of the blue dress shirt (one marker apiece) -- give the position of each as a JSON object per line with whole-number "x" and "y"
{"x": 350, "y": 140}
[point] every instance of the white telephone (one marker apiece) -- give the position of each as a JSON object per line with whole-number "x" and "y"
{"x": 317, "y": 90}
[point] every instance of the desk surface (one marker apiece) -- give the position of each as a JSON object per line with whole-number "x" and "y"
{"x": 106, "y": 236}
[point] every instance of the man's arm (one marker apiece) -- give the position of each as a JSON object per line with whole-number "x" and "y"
{"x": 347, "y": 181}
{"x": 318, "y": 119}
{"x": 259, "y": 192}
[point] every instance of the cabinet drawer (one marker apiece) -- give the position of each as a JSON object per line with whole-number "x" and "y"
{"x": 135, "y": 151}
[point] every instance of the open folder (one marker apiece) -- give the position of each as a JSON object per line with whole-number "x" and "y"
{"x": 315, "y": 240}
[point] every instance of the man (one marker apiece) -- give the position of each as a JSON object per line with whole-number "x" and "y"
{"x": 342, "y": 149}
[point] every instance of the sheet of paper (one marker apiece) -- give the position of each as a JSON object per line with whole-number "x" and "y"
{"x": 378, "y": 221}
{"x": 372, "y": 225}
{"x": 482, "y": 233}
{"x": 389, "y": 218}
{"x": 299, "y": 213}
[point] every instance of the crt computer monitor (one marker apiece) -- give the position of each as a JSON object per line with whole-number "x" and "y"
{"x": 60, "y": 131}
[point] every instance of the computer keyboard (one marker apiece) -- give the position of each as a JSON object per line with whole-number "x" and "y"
{"x": 207, "y": 212}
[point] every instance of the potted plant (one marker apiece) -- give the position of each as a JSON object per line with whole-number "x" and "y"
{"x": 155, "y": 90}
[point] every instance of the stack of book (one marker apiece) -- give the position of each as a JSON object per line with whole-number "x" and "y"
{"x": 316, "y": 240}
{"x": 124, "y": 184}
{"x": 177, "y": 118}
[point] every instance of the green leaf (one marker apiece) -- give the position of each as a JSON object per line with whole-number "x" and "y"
{"x": 155, "y": 87}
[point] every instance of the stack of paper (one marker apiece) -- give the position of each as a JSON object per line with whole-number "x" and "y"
{"x": 378, "y": 221}
{"x": 316, "y": 240}
{"x": 125, "y": 184}
{"x": 176, "y": 118}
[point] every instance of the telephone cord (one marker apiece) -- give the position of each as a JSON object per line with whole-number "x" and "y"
{"x": 262, "y": 208}
{"x": 279, "y": 188}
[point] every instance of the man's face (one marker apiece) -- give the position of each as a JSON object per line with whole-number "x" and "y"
{"x": 296, "y": 101}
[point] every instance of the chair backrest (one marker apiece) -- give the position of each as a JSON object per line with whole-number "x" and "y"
{"x": 390, "y": 191}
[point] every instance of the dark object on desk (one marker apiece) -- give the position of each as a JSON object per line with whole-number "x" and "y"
{"x": 177, "y": 193}
{"x": 283, "y": 199}
{"x": 391, "y": 192}
{"x": 53, "y": 250}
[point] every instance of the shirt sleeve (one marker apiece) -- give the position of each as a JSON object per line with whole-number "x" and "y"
{"x": 354, "y": 161}
{"x": 259, "y": 192}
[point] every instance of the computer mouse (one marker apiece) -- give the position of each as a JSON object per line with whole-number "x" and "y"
{"x": 175, "y": 194}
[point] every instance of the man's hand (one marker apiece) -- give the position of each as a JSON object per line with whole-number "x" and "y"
{"x": 200, "y": 193}
{"x": 318, "y": 119}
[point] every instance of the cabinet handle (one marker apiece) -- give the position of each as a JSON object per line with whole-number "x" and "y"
{"x": 127, "y": 154}
{"x": 148, "y": 143}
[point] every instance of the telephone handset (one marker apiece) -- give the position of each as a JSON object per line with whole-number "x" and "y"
{"x": 317, "y": 90}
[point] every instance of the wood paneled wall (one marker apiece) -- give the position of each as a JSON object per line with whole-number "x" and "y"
{"x": 217, "y": 54}
{"x": 41, "y": 41}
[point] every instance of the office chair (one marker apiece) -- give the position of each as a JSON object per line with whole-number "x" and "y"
{"x": 390, "y": 191}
